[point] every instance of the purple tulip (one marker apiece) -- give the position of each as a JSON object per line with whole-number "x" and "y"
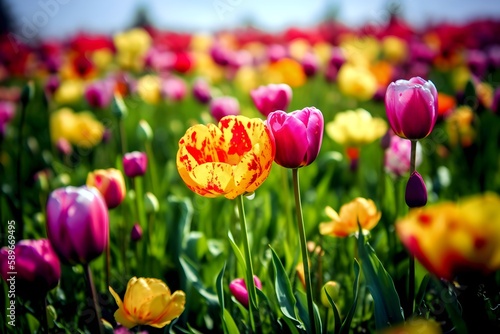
{"x": 298, "y": 136}
{"x": 135, "y": 163}
{"x": 224, "y": 106}
{"x": 136, "y": 232}
{"x": 477, "y": 61}
{"x": 99, "y": 94}
{"x": 271, "y": 98}
{"x": 36, "y": 265}
{"x": 416, "y": 191}
{"x": 77, "y": 224}
{"x": 239, "y": 290}
{"x": 411, "y": 107}
{"x": 201, "y": 91}
{"x": 7, "y": 112}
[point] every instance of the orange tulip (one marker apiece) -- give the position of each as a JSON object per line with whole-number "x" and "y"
{"x": 230, "y": 159}
{"x": 360, "y": 210}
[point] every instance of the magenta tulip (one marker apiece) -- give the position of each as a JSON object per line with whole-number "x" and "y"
{"x": 239, "y": 290}
{"x": 36, "y": 266}
{"x": 100, "y": 93}
{"x": 411, "y": 107}
{"x": 310, "y": 64}
{"x": 271, "y": 98}
{"x": 135, "y": 163}
{"x": 201, "y": 91}
{"x": 77, "y": 224}
{"x": 224, "y": 106}
{"x": 298, "y": 136}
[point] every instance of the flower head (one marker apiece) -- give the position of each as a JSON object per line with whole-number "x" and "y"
{"x": 360, "y": 210}
{"x": 412, "y": 107}
{"x": 230, "y": 159}
{"x": 239, "y": 290}
{"x": 38, "y": 269}
{"x": 148, "y": 301}
{"x": 110, "y": 184}
{"x": 135, "y": 163}
{"x": 77, "y": 224}
{"x": 355, "y": 128}
{"x": 298, "y": 136}
{"x": 271, "y": 98}
{"x": 453, "y": 238}
{"x": 224, "y": 106}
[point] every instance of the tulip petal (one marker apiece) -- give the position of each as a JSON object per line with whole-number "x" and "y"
{"x": 292, "y": 131}
{"x": 213, "y": 179}
{"x": 173, "y": 310}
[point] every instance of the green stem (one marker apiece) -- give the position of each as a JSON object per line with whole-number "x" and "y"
{"x": 411, "y": 259}
{"x": 152, "y": 168}
{"x": 252, "y": 293}
{"x": 107, "y": 263}
{"x": 303, "y": 248}
{"x": 95, "y": 325}
{"x": 123, "y": 138}
{"x": 141, "y": 217}
{"x": 44, "y": 325}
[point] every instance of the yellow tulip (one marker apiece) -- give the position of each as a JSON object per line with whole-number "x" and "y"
{"x": 451, "y": 238}
{"x": 230, "y": 159}
{"x": 148, "y": 88}
{"x": 80, "y": 129}
{"x": 360, "y": 210}
{"x": 357, "y": 81}
{"x": 148, "y": 301}
{"x": 395, "y": 49}
{"x": 355, "y": 128}
{"x": 415, "y": 326}
{"x": 70, "y": 91}
{"x": 131, "y": 46}
{"x": 459, "y": 126}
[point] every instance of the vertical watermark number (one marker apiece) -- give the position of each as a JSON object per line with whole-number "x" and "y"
{"x": 11, "y": 265}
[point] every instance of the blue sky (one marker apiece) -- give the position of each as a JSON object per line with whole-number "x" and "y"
{"x": 60, "y": 18}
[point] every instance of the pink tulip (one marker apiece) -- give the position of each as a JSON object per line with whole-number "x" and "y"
{"x": 135, "y": 163}
{"x": 100, "y": 93}
{"x": 239, "y": 290}
{"x": 201, "y": 91}
{"x": 298, "y": 136}
{"x": 224, "y": 106}
{"x": 411, "y": 107}
{"x": 36, "y": 265}
{"x": 271, "y": 98}
{"x": 174, "y": 88}
{"x": 397, "y": 156}
{"x": 77, "y": 224}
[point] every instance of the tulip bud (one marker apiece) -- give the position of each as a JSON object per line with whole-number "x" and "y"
{"x": 224, "y": 106}
{"x": 37, "y": 267}
{"x": 151, "y": 203}
{"x": 333, "y": 290}
{"x": 135, "y": 163}
{"x": 136, "y": 232}
{"x": 118, "y": 107}
{"x": 144, "y": 132}
{"x": 110, "y": 184}
{"x": 239, "y": 290}
{"x": 64, "y": 146}
{"x": 77, "y": 224}
{"x": 416, "y": 192}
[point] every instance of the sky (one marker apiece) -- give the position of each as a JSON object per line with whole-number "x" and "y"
{"x": 63, "y": 18}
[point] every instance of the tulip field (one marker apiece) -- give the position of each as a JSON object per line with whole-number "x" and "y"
{"x": 321, "y": 180}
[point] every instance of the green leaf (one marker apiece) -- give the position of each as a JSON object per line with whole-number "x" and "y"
{"x": 237, "y": 252}
{"x": 336, "y": 313}
{"x": 387, "y": 305}
{"x": 304, "y": 313}
{"x": 193, "y": 276}
{"x": 346, "y": 325}
{"x": 196, "y": 245}
{"x": 422, "y": 290}
{"x": 219, "y": 286}
{"x": 229, "y": 324}
{"x": 284, "y": 294}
